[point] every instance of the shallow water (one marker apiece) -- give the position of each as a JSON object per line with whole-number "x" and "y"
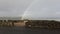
{"x": 23, "y": 30}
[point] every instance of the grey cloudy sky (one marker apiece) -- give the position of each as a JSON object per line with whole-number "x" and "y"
{"x": 13, "y": 7}
{"x": 30, "y": 8}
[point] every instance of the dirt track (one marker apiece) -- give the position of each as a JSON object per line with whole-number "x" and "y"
{"x": 19, "y": 24}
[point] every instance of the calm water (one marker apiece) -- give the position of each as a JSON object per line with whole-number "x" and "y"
{"x": 23, "y": 30}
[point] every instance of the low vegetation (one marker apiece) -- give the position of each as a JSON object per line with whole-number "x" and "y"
{"x": 50, "y": 24}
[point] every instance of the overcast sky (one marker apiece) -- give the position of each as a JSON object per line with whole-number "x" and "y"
{"x": 30, "y": 8}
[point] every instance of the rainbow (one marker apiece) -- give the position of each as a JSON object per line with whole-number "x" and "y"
{"x": 26, "y": 11}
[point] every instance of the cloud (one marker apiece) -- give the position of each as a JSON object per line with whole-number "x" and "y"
{"x": 44, "y": 9}
{"x": 39, "y": 9}
{"x": 13, "y": 7}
